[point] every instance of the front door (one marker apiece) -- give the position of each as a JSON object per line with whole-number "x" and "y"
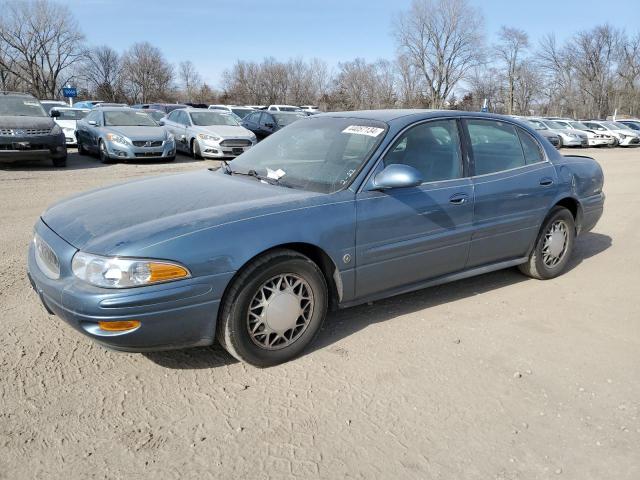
{"x": 408, "y": 235}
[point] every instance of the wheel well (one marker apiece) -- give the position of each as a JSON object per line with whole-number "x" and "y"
{"x": 321, "y": 259}
{"x": 573, "y": 206}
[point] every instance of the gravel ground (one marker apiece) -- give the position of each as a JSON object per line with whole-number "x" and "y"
{"x": 496, "y": 377}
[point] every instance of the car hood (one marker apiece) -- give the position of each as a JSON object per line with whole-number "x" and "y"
{"x": 124, "y": 219}
{"x": 139, "y": 133}
{"x": 225, "y": 131}
{"x": 10, "y": 121}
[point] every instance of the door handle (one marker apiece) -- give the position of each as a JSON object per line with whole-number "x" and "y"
{"x": 458, "y": 199}
{"x": 545, "y": 182}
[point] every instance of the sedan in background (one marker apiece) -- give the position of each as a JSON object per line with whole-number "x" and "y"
{"x": 543, "y": 130}
{"x": 263, "y": 123}
{"x": 313, "y": 109}
{"x": 283, "y": 108}
{"x": 208, "y": 133}
{"x": 334, "y": 211}
{"x": 87, "y": 104}
{"x": 568, "y": 137}
{"x": 239, "y": 111}
{"x": 594, "y": 139}
{"x": 633, "y": 124}
{"x": 124, "y": 134}
{"x": 49, "y": 104}
{"x": 67, "y": 118}
{"x": 623, "y": 135}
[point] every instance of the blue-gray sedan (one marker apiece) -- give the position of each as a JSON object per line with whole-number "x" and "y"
{"x": 332, "y": 211}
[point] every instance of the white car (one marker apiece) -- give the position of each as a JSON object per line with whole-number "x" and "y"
{"x": 283, "y": 108}
{"x": 310, "y": 108}
{"x": 208, "y": 133}
{"x": 569, "y": 137}
{"x": 623, "y": 135}
{"x": 68, "y": 120}
{"x": 237, "y": 110}
{"x": 595, "y": 139}
{"x": 49, "y": 104}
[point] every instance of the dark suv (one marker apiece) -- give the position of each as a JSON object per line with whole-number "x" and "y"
{"x": 27, "y": 132}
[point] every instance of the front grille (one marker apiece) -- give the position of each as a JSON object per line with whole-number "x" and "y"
{"x": 235, "y": 142}
{"x": 22, "y": 132}
{"x": 635, "y": 140}
{"x": 149, "y": 154}
{"x": 31, "y": 146}
{"x": 147, "y": 143}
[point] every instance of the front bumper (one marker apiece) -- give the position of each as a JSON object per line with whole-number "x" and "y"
{"x": 630, "y": 141}
{"x": 597, "y": 142}
{"x": 173, "y": 315}
{"x": 215, "y": 150}
{"x": 36, "y": 147}
{"x": 118, "y": 151}
{"x": 572, "y": 142}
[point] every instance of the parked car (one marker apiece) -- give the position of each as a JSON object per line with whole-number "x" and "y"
{"x": 240, "y": 112}
{"x": 333, "y": 211}
{"x": 208, "y": 133}
{"x": 567, "y": 137}
{"x": 49, "y": 104}
{"x": 196, "y": 105}
{"x": 263, "y": 123}
{"x": 283, "y": 108}
{"x": 633, "y": 124}
{"x": 594, "y": 139}
{"x": 27, "y": 132}
{"x": 257, "y": 107}
{"x": 310, "y": 108}
{"x": 543, "y": 130}
{"x": 164, "y": 107}
{"x": 117, "y": 133}
{"x": 157, "y": 115}
{"x": 68, "y": 118}
{"x": 623, "y": 135}
{"x": 87, "y": 104}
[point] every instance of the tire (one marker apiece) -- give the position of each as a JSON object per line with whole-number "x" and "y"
{"x": 171, "y": 159}
{"x": 81, "y": 149}
{"x": 59, "y": 162}
{"x": 541, "y": 266}
{"x": 195, "y": 150}
{"x": 102, "y": 152}
{"x": 560, "y": 145}
{"x": 242, "y": 299}
{"x": 616, "y": 143}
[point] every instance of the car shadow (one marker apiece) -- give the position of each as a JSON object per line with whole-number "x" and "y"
{"x": 343, "y": 323}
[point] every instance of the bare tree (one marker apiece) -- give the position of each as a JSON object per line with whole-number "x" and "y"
{"x": 102, "y": 70}
{"x": 512, "y": 43}
{"x": 191, "y": 80}
{"x": 443, "y": 39}
{"x": 629, "y": 73}
{"x": 147, "y": 74}
{"x": 40, "y": 41}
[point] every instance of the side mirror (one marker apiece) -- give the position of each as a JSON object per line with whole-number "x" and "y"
{"x": 161, "y": 123}
{"x": 269, "y": 125}
{"x": 397, "y": 176}
{"x": 92, "y": 123}
{"x": 183, "y": 138}
{"x": 54, "y": 113}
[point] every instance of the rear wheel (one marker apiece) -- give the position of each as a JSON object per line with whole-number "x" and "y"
{"x": 273, "y": 309}
{"x": 81, "y": 149}
{"x": 553, "y": 247}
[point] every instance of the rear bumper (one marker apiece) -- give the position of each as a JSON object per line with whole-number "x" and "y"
{"x": 172, "y": 315}
{"x": 592, "y": 209}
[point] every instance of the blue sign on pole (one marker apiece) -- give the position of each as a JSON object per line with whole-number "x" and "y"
{"x": 70, "y": 92}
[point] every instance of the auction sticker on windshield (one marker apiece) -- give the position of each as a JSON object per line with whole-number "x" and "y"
{"x": 363, "y": 130}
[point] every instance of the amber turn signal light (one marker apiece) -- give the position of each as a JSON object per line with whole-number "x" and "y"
{"x": 119, "y": 326}
{"x": 161, "y": 272}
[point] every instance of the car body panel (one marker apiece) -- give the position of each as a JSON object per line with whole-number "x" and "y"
{"x": 377, "y": 243}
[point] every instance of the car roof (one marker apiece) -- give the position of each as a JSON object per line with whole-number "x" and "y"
{"x": 72, "y": 108}
{"x": 16, "y": 94}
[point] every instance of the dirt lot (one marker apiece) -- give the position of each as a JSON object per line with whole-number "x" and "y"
{"x": 497, "y": 377}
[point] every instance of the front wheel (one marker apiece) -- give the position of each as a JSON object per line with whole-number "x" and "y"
{"x": 195, "y": 150}
{"x": 104, "y": 155}
{"x": 273, "y": 309}
{"x": 553, "y": 247}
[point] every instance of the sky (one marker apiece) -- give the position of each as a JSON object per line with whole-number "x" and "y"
{"x": 213, "y": 34}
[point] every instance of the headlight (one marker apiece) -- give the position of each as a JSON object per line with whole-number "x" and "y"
{"x": 170, "y": 137}
{"x": 253, "y": 138}
{"x": 56, "y": 130}
{"x": 212, "y": 138}
{"x": 118, "y": 139}
{"x": 114, "y": 272}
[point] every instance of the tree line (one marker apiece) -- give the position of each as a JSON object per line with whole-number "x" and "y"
{"x": 444, "y": 60}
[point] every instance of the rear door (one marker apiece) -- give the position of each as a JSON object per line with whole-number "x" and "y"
{"x": 408, "y": 235}
{"x": 514, "y": 185}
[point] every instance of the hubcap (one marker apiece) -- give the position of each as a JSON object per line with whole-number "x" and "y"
{"x": 280, "y": 311}
{"x": 555, "y": 244}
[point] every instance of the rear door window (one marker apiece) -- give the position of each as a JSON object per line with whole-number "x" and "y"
{"x": 496, "y": 146}
{"x": 531, "y": 149}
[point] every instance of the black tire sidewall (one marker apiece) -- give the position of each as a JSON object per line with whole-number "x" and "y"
{"x": 104, "y": 157}
{"x": 237, "y": 316}
{"x": 551, "y": 272}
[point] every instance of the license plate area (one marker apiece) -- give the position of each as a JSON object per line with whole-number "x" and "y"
{"x": 237, "y": 150}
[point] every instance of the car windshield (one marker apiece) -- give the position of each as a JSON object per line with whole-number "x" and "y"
{"x": 72, "y": 114}
{"x": 318, "y": 154}
{"x": 579, "y": 126}
{"x": 21, "y": 106}
{"x": 554, "y": 125}
{"x": 284, "y": 119}
{"x": 538, "y": 125}
{"x": 622, "y": 126}
{"x": 242, "y": 112}
{"x": 128, "y": 119}
{"x": 288, "y": 109}
{"x": 49, "y": 105}
{"x": 155, "y": 114}
{"x": 207, "y": 118}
